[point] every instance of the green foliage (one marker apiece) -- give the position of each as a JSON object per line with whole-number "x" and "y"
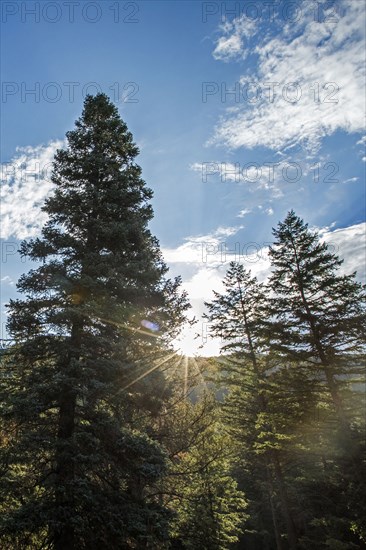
{"x": 317, "y": 315}
{"x": 100, "y": 448}
{"x": 78, "y": 464}
{"x": 209, "y": 508}
{"x": 292, "y": 364}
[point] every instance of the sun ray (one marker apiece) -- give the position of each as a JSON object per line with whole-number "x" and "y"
{"x": 181, "y": 358}
{"x": 155, "y": 367}
{"x": 199, "y": 372}
{"x": 175, "y": 367}
{"x": 185, "y": 366}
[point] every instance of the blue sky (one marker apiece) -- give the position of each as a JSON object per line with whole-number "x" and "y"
{"x": 225, "y": 167}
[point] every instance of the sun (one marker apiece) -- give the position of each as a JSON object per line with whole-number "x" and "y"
{"x": 191, "y": 343}
{"x": 188, "y": 344}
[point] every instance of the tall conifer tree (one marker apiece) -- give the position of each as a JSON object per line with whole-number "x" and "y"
{"x": 237, "y": 316}
{"x": 318, "y": 319}
{"x": 79, "y": 464}
{"x": 319, "y": 314}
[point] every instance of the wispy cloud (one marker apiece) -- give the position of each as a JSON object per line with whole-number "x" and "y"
{"x": 244, "y": 212}
{"x": 208, "y": 270}
{"x": 317, "y": 75}
{"x": 25, "y": 183}
{"x": 7, "y": 280}
{"x": 202, "y": 249}
{"x": 232, "y": 44}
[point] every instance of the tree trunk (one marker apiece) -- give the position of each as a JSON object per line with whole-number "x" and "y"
{"x": 290, "y": 526}
{"x": 64, "y": 536}
{"x": 273, "y": 511}
{"x": 331, "y": 382}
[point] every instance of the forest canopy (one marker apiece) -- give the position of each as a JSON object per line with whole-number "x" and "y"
{"x": 109, "y": 438}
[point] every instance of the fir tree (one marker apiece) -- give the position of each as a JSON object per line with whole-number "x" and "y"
{"x": 317, "y": 319}
{"x": 319, "y": 315}
{"x": 210, "y": 511}
{"x": 237, "y": 317}
{"x": 96, "y": 317}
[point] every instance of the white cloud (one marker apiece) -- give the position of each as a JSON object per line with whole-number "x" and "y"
{"x": 272, "y": 177}
{"x": 232, "y": 44}
{"x": 348, "y": 243}
{"x": 228, "y": 48}
{"x": 25, "y": 183}
{"x": 244, "y": 212}
{"x": 202, "y": 249}
{"x": 325, "y": 62}
{"x": 7, "y": 280}
{"x": 203, "y": 283}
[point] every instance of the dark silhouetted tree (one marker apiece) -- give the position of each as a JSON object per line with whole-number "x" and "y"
{"x": 96, "y": 317}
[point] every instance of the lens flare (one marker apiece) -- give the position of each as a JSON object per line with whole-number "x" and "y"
{"x": 150, "y": 325}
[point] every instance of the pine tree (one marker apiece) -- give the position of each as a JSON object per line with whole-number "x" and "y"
{"x": 319, "y": 315}
{"x": 210, "y": 511}
{"x": 237, "y": 317}
{"x": 96, "y": 317}
{"x": 317, "y": 319}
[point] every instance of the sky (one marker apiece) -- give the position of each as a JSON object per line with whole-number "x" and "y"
{"x": 241, "y": 111}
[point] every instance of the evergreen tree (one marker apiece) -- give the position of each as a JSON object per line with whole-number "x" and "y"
{"x": 317, "y": 319}
{"x": 301, "y": 488}
{"x": 96, "y": 318}
{"x": 237, "y": 317}
{"x": 319, "y": 315}
{"x": 210, "y": 511}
